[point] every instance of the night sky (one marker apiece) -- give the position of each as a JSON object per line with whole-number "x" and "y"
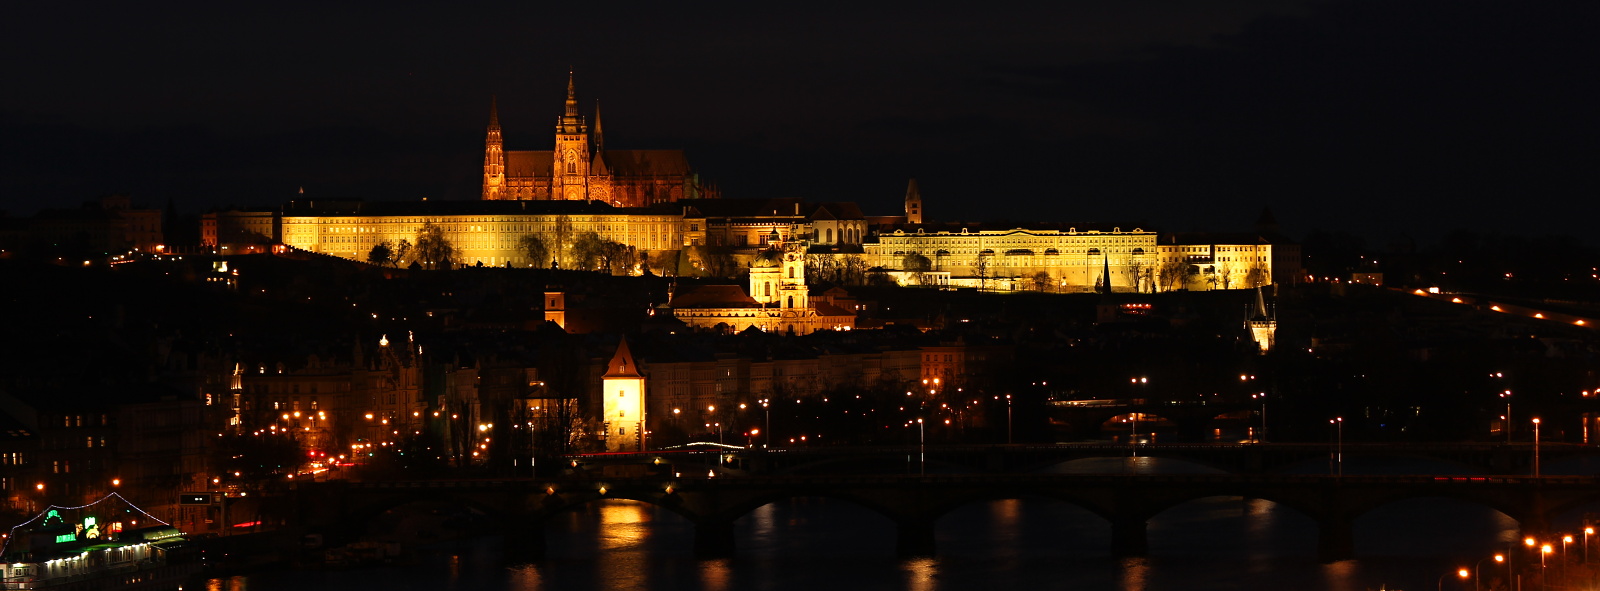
{"x": 1387, "y": 119}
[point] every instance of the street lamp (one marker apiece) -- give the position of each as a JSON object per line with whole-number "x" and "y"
{"x": 1008, "y": 418}
{"x": 1477, "y": 572}
{"x": 1587, "y": 531}
{"x": 1460, "y": 573}
{"x": 1507, "y": 423}
{"x": 1536, "y": 447}
{"x": 1338, "y": 449}
{"x": 768, "y": 410}
{"x": 1261, "y": 437}
{"x": 1544, "y": 551}
{"x": 922, "y": 450}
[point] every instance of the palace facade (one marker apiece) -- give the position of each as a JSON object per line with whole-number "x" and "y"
{"x": 481, "y": 232}
{"x": 580, "y": 168}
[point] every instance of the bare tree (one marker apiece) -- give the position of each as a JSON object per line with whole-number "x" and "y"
{"x": 587, "y": 251}
{"x": 1137, "y": 270}
{"x": 560, "y": 241}
{"x": 433, "y": 249}
{"x": 822, "y": 267}
{"x": 1257, "y": 273}
{"x": 401, "y": 251}
{"x": 1174, "y": 274}
{"x": 852, "y": 269}
{"x": 916, "y": 265}
{"x": 382, "y": 254}
{"x": 980, "y": 268}
{"x": 534, "y": 247}
{"x": 1041, "y": 281}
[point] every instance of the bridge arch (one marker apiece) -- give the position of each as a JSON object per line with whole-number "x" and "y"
{"x": 1151, "y": 461}
{"x": 898, "y": 460}
{"x": 1389, "y": 462}
{"x": 361, "y": 519}
{"x": 1237, "y": 524}
{"x": 554, "y": 504}
{"x": 744, "y": 506}
{"x": 1098, "y": 508}
{"x": 1469, "y": 524}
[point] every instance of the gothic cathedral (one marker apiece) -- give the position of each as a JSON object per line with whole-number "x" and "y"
{"x": 579, "y": 168}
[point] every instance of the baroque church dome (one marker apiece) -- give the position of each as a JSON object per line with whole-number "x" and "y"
{"x": 769, "y": 258}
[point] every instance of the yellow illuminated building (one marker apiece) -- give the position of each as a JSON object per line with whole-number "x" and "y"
{"x": 486, "y": 232}
{"x": 623, "y": 404}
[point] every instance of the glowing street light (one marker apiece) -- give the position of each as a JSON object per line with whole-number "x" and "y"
{"x": 1477, "y": 571}
{"x": 922, "y": 450}
{"x": 1507, "y": 422}
{"x": 1536, "y": 447}
{"x": 1338, "y": 449}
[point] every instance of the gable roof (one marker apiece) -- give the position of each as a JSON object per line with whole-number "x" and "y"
{"x": 713, "y": 296}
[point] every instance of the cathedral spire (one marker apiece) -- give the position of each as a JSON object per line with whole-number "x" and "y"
{"x": 494, "y": 160}
{"x": 572, "y": 96}
{"x": 599, "y": 137}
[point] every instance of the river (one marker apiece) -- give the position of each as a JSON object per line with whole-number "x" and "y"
{"x": 819, "y": 544}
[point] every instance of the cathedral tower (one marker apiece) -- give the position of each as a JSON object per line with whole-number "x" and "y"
{"x": 494, "y": 158}
{"x": 570, "y": 177}
{"x": 913, "y": 203}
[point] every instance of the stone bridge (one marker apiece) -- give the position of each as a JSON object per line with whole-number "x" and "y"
{"x": 1239, "y": 458}
{"x": 914, "y": 503}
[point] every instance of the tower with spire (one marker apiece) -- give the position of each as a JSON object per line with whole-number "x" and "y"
{"x": 494, "y": 157}
{"x": 1262, "y": 324}
{"x": 913, "y": 203}
{"x": 570, "y": 180}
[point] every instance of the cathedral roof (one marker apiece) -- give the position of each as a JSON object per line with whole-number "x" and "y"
{"x": 626, "y": 163}
{"x": 713, "y": 296}
{"x": 529, "y": 162}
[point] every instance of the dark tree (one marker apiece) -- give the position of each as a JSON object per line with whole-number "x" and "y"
{"x": 382, "y": 254}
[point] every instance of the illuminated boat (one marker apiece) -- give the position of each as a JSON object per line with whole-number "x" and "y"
{"x": 107, "y": 544}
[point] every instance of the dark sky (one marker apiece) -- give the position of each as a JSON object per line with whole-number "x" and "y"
{"x": 1383, "y": 118}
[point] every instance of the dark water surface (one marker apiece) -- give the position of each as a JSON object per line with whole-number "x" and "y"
{"x": 817, "y": 544}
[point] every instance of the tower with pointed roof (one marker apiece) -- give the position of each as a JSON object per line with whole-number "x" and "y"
{"x": 913, "y": 203}
{"x": 579, "y": 168}
{"x": 623, "y": 391}
{"x": 1262, "y": 323}
{"x": 494, "y": 157}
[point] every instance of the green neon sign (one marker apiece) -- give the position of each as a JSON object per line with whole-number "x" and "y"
{"x": 64, "y": 538}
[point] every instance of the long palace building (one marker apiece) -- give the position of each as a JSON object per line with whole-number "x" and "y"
{"x": 651, "y": 201}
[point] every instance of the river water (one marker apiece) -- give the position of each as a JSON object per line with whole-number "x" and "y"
{"x": 818, "y": 544}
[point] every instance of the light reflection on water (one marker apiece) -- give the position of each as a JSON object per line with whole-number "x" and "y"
{"x": 817, "y": 544}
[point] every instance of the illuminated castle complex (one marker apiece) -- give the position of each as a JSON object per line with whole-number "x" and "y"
{"x": 580, "y": 168}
